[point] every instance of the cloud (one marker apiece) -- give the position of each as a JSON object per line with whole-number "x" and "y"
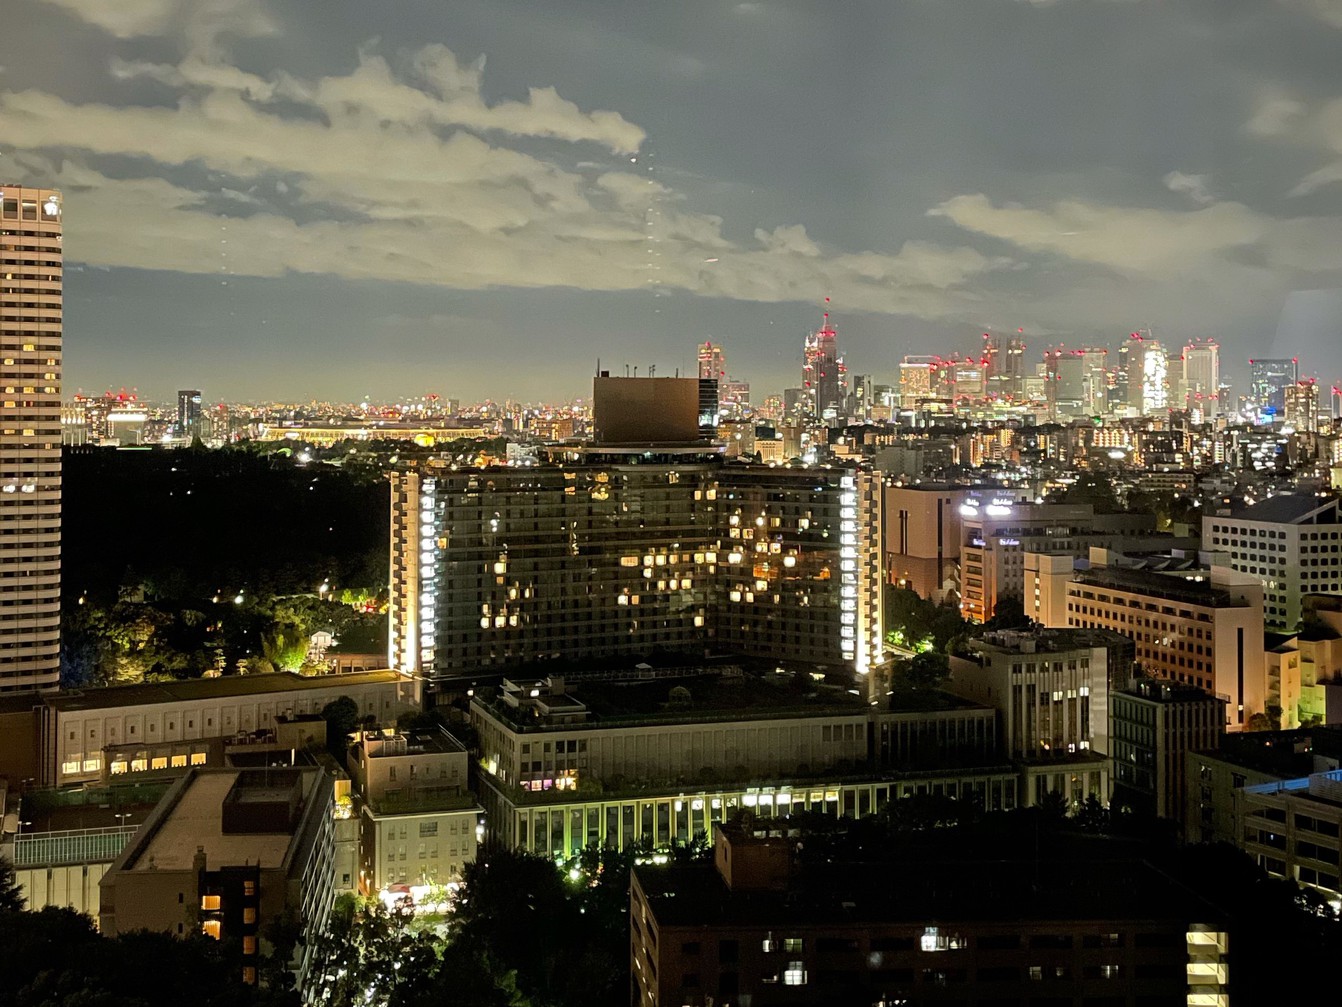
{"x": 1195, "y": 187}
{"x": 402, "y": 171}
{"x": 1279, "y": 116}
{"x": 1327, "y": 11}
{"x": 1274, "y": 114}
{"x": 199, "y": 23}
{"x": 1161, "y": 245}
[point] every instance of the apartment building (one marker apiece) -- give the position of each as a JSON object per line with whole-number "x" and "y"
{"x": 605, "y": 552}
{"x": 30, "y": 438}
{"x": 1291, "y": 543}
{"x": 1191, "y": 626}
{"x": 757, "y": 927}
{"x": 566, "y": 764}
{"x": 1051, "y": 690}
{"x": 417, "y": 816}
{"x": 1153, "y": 726}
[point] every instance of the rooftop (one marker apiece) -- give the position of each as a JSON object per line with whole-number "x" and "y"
{"x": 1043, "y": 640}
{"x": 209, "y": 688}
{"x": 1289, "y": 508}
{"x": 684, "y": 700}
{"x": 923, "y": 891}
{"x": 1158, "y": 585}
{"x": 192, "y": 816}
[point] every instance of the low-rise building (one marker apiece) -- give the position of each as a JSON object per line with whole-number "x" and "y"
{"x": 1200, "y": 627}
{"x": 1153, "y": 725}
{"x": 1051, "y": 690}
{"x": 91, "y": 734}
{"x": 418, "y": 819}
{"x": 565, "y": 763}
{"x": 1293, "y": 830}
{"x": 1246, "y": 758}
{"x": 756, "y": 927}
{"x": 226, "y": 852}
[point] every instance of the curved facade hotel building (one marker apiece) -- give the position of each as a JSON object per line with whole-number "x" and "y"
{"x": 30, "y": 438}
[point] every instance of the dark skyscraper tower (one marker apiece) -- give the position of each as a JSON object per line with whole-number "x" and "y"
{"x": 30, "y": 444}
{"x": 188, "y": 413}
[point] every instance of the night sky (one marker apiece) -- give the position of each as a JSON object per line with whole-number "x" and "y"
{"x": 292, "y": 199}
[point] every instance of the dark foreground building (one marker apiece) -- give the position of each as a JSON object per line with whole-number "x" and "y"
{"x": 755, "y": 930}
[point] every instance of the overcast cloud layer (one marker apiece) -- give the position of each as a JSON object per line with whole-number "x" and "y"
{"x": 274, "y": 198}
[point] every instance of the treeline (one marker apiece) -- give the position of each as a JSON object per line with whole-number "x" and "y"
{"x": 175, "y": 562}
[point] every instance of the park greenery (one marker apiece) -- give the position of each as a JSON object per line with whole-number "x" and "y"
{"x": 178, "y": 563}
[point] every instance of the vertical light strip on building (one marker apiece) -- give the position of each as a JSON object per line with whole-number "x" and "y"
{"x": 30, "y": 438}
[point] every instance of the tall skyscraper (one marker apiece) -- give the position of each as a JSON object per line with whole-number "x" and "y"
{"x": 1300, "y": 406}
{"x": 1146, "y": 366}
{"x": 188, "y": 413}
{"x": 1268, "y": 381}
{"x": 712, "y": 362}
{"x": 915, "y": 380}
{"x": 822, "y": 373}
{"x": 1005, "y": 367}
{"x": 1202, "y": 377}
{"x": 30, "y": 438}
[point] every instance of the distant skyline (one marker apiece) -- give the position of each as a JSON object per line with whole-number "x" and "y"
{"x": 270, "y": 199}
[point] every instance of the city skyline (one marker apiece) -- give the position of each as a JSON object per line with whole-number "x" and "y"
{"x": 370, "y": 207}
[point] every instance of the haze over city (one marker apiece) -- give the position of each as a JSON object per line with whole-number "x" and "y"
{"x": 479, "y": 200}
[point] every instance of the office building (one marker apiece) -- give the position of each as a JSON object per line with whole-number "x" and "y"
{"x": 1194, "y": 626}
{"x": 758, "y": 923}
{"x": 604, "y": 552}
{"x": 1051, "y": 690}
{"x": 712, "y": 362}
{"x": 1244, "y": 758}
{"x": 30, "y": 439}
{"x": 922, "y": 539}
{"x": 1293, "y": 830}
{"x": 917, "y": 380}
{"x": 1153, "y": 725}
{"x": 189, "y": 414}
{"x": 229, "y": 852}
{"x": 655, "y": 755}
{"x": 1300, "y": 406}
{"x": 999, "y": 531}
{"x": 417, "y": 817}
{"x": 1268, "y": 381}
{"x": 1291, "y": 543}
{"x": 1201, "y": 380}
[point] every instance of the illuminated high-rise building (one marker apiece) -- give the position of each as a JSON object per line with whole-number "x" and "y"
{"x": 1145, "y": 365}
{"x": 1300, "y": 406}
{"x": 1268, "y": 381}
{"x": 712, "y": 362}
{"x": 823, "y": 373}
{"x": 1201, "y": 378}
{"x": 30, "y": 440}
{"x": 1004, "y": 367}
{"x": 916, "y": 377}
